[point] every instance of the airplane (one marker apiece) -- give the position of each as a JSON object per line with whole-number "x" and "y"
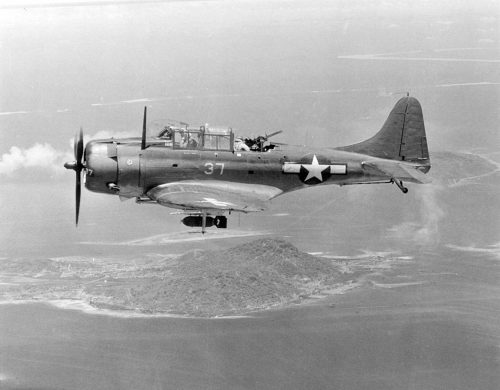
{"x": 207, "y": 173}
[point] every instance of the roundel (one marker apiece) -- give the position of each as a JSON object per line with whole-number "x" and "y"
{"x": 314, "y": 169}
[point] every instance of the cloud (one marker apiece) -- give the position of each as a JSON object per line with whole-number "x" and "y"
{"x": 488, "y": 19}
{"x": 486, "y": 40}
{"x": 14, "y": 112}
{"x": 406, "y": 56}
{"x": 466, "y": 84}
{"x": 39, "y": 156}
{"x": 424, "y": 231}
{"x": 445, "y": 22}
{"x": 494, "y": 250}
{"x": 44, "y": 157}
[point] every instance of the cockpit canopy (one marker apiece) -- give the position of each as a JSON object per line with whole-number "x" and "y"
{"x": 203, "y": 138}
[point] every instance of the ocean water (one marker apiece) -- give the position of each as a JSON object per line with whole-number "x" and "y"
{"x": 441, "y": 333}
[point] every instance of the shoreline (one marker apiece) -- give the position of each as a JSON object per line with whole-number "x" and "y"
{"x": 84, "y": 307}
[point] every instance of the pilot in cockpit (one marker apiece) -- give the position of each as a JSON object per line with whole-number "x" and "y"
{"x": 192, "y": 144}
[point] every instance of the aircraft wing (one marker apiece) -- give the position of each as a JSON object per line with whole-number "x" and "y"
{"x": 213, "y": 195}
{"x": 397, "y": 170}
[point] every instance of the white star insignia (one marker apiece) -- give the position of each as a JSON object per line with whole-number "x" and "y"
{"x": 314, "y": 169}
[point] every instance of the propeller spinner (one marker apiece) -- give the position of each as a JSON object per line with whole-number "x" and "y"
{"x": 77, "y": 166}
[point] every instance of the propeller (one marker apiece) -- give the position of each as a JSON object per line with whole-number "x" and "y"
{"x": 77, "y": 166}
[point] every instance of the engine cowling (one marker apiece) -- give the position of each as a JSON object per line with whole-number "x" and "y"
{"x": 102, "y": 169}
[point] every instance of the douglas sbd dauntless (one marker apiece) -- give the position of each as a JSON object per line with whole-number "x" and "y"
{"x": 207, "y": 172}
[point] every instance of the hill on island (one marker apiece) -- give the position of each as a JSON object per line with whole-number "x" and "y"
{"x": 252, "y": 276}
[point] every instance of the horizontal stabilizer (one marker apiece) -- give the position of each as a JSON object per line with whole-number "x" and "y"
{"x": 397, "y": 170}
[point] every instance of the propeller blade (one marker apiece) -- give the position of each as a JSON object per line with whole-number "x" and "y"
{"x": 78, "y": 192}
{"x": 143, "y": 142}
{"x": 75, "y": 145}
{"x": 79, "y": 148}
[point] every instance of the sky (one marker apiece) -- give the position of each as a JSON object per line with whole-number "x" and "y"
{"x": 325, "y": 72}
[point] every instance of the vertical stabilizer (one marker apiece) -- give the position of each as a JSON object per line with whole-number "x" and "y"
{"x": 402, "y": 137}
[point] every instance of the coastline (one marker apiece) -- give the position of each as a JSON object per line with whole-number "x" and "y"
{"x": 87, "y": 308}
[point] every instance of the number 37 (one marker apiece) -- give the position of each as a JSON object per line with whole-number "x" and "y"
{"x": 211, "y": 167}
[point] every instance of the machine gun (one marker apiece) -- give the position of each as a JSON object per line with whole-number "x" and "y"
{"x": 257, "y": 144}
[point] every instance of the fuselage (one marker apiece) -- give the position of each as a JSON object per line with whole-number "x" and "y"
{"x": 121, "y": 167}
